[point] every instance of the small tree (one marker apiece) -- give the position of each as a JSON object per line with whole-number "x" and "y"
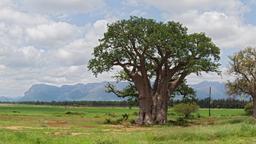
{"x": 185, "y": 109}
{"x": 243, "y": 67}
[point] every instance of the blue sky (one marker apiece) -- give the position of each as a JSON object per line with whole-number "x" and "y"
{"x": 46, "y": 41}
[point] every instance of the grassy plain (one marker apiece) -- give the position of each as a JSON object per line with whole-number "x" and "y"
{"x": 30, "y": 124}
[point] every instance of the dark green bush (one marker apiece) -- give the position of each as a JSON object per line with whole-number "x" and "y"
{"x": 248, "y": 108}
{"x": 186, "y": 109}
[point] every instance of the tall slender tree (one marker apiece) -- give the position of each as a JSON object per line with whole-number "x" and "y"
{"x": 243, "y": 67}
{"x": 147, "y": 51}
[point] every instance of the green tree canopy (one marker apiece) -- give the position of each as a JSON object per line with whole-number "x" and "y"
{"x": 243, "y": 67}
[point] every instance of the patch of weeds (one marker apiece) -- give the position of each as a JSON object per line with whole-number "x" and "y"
{"x": 39, "y": 141}
{"x": 120, "y": 120}
{"x": 135, "y": 113}
{"x": 107, "y": 121}
{"x": 222, "y": 133}
{"x": 112, "y": 121}
{"x": 125, "y": 117}
{"x": 97, "y": 116}
{"x": 198, "y": 115}
{"x": 171, "y": 114}
{"x": 159, "y": 138}
{"x": 248, "y": 130}
{"x": 250, "y": 120}
{"x": 181, "y": 121}
{"x": 132, "y": 121}
{"x": 105, "y": 141}
{"x": 15, "y": 111}
{"x": 235, "y": 120}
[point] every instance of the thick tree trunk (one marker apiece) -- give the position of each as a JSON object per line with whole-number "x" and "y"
{"x": 254, "y": 107}
{"x": 160, "y": 109}
{"x": 161, "y": 104}
{"x": 145, "y": 109}
{"x": 145, "y": 103}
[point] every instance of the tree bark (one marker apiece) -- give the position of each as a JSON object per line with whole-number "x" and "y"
{"x": 160, "y": 102}
{"x": 145, "y": 102}
{"x": 160, "y": 109}
{"x": 254, "y": 107}
{"x": 145, "y": 109}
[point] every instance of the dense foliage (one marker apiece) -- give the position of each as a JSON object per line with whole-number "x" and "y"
{"x": 248, "y": 108}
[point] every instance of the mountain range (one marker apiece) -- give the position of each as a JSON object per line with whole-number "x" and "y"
{"x": 96, "y": 92}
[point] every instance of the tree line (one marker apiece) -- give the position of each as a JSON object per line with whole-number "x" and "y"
{"x": 203, "y": 103}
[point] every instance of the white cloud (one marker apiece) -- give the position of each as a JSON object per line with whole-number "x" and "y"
{"x": 2, "y": 67}
{"x": 45, "y": 51}
{"x": 227, "y": 31}
{"x": 22, "y": 57}
{"x": 12, "y": 16}
{"x": 194, "y": 79}
{"x": 6, "y": 3}
{"x": 79, "y": 51}
{"x": 52, "y": 34}
{"x": 181, "y": 6}
{"x": 58, "y": 7}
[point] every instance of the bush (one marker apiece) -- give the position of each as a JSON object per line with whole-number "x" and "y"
{"x": 117, "y": 120}
{"x": 185, "y": 109}
{"x": 248, "y": 108}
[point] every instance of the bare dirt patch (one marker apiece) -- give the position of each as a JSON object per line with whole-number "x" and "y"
{"x": 57, "y": 123}
{"x": 5, "y": 104}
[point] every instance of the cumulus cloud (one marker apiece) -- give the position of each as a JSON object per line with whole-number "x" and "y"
{"x": 227, "y": 31}
{"x": 35, "y": 48}
{"x": 13, "y": 16}
{"x": 52, "y": 34}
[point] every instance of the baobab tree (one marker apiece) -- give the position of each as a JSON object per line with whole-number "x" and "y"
{"x": 243, "y": 67}
{"x": 156, "y": 57}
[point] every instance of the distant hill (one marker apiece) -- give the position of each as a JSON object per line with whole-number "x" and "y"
{"x": 5, "y": 99}
{"x": 78, "y": 92}
{"x": 218, "y": 90}
{"x": 96, "y": 92}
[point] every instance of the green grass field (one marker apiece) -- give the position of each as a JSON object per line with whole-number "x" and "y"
{"x": 28, "y": 124}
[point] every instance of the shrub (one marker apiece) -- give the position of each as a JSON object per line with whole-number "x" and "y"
{"x": 185, "y": 109}
{"x": 248, "y": 108}
{"x": 117, "y": 120}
